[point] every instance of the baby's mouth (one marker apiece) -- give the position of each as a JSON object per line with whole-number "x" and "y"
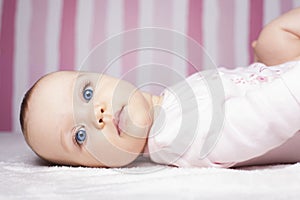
{"x": 116, "y": 120}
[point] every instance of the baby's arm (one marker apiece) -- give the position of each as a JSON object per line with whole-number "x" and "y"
{"x": 279, "y": 41}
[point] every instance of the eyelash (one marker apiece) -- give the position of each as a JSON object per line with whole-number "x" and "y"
{"x": 74, "y": 132}
{"x": 86, "y": 84}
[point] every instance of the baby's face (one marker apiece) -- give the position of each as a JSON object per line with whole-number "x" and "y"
{"x": 88, "y": 119}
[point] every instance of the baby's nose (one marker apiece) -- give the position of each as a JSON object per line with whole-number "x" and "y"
{"x": 99, "y": 113}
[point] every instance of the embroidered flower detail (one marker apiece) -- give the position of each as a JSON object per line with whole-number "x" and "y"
{"x": 262, "y": 68}
{"x": 262, "y": 78}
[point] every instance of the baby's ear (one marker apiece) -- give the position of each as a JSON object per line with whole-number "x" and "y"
{"x": 253, "y": 44}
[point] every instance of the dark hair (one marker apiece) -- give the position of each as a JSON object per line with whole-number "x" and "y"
{"x": 23, "y": 111}
{"x": 24, "y": 108}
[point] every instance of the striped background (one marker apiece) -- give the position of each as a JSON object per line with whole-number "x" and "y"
{"x": 40, "y": 36}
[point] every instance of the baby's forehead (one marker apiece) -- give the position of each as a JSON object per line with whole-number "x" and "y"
{"x": 58, "y": 77}
{"x": 50, "y": 108}
{"x": 53, "y": 93}
{"x": 66, "y": 77}
{"x": 54, "y": 86}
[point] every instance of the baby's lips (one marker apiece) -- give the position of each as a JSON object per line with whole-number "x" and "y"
{"x": 116, "y": 120}
{"x": 123, "y": 113}
{"x": 125, "y": 124}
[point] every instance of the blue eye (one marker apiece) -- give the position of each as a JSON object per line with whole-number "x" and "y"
{"x": 88, "y": 94}
{"x": 80, "y": 136}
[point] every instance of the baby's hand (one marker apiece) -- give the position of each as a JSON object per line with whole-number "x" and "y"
{"x": 279, "y": 41}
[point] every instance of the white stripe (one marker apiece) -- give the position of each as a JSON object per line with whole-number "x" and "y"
{"x": 162, "y": 19}
{"x": 23, "y": 16}
{"x": 113, "y": 27}
{"x": 1, "y": 5}
{"x": 271, "y": 10}
{"x": 241, "y": 29}
{"x": 210, "y": 23}
{"x": 84, "y": 20}
{"x": 296, "y": 3}
{"x": 53, "y": 26}
{"x": 179, "y": 23}
{"x": 146, "y": 13}
{"x": 144, "y": 56}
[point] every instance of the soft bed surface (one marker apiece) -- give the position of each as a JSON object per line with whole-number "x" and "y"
{"x": 24, "y": 176}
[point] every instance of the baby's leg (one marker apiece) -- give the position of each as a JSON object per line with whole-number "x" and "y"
{"x": 279, "y": 41}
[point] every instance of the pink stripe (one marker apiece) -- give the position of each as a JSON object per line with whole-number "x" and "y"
{"x": 195, "y": 24}
{"x": 6, "y": 63}
{"x": 37, "y": 34}
{"x": 256, "y": 24}
{"x": 131, "y": 16}
{"x": 98, "y": 33}
{"x": 226, "y": 34}
{"x": 286, "y": 5}
{"x": 67, "y": 35}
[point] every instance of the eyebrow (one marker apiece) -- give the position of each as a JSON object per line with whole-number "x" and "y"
{"x": 63, "y": 141}
{"x": 79, "y": 76}
{"x": 64, "y": 136}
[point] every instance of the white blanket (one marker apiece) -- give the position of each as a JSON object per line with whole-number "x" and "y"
{"x": 24, "y": 176}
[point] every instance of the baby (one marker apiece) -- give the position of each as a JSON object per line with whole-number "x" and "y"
{"x": 88, "y": 119}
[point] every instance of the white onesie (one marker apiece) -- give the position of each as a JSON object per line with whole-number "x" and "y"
{"x": 255, "y": 121}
